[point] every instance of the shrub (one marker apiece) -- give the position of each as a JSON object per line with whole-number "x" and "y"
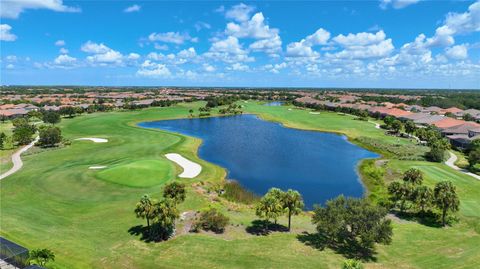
{"x": 211, "y": 220}
{"x": 352, "y": 264}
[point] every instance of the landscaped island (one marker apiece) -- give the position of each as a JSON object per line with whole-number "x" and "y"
{"x": 86, "y": 215}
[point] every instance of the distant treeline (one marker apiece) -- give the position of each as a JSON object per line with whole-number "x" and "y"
{"x": 460, "y": 100}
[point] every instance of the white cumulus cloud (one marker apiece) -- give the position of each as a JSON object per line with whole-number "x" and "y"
{"x": 458, "y": 52}
{"x": 60, "y": 43}
{"x": 303, "y": 48}
{"x": 134, "y": 8}
{"x": 102, "y": 54}
{"x": 153, "y": 70}
{"x": 5, "y": 34}
{"x": 12, "y": 9}
{"x": 171, "y": 37}
{"x": 240, "y": 12}
{"x": 397, "y": 4}
{"x": 64, "y": 59}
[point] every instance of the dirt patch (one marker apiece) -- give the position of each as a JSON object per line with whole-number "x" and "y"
{"x": 380, "y": 163}
{"x": 187, "y": 219}
{"x": 396, "y": 219}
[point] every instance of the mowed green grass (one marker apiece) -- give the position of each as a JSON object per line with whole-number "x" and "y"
{"x": 85, "y": 215}
{"x": 144, "y": 173}
{"x": 346, "y": 124}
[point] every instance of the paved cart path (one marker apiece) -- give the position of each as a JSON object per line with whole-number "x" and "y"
{"x": 17, "y": 160}
{"x": 451, "y": 162}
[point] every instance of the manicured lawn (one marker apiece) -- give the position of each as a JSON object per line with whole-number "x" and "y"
{"x": 86, "y": 216}
{"x": 144, "y": 173}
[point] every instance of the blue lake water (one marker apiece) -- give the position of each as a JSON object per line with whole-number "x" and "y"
{"x": 261, "y": 154}
{"x": 276, "y": 103}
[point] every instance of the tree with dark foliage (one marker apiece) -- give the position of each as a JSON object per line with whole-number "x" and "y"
{"x": 175, "y": 191}
{"x": 353, "y": 224}
{"x": 23, "y": 131}
{"x": 49, "y": 136}
{"x": 51, "y": 117}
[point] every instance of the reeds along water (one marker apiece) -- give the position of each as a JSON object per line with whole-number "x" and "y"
{"x": 235, "y": 192}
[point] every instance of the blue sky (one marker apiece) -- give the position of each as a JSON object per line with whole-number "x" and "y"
{"x": 385, "y": 43}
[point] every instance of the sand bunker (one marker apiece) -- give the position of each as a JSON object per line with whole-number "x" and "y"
{"x": 315, "y": 113}
{"x": 97, "y": 167}
{"x": 94, "y": 139}
{"x": 190, "y": 169}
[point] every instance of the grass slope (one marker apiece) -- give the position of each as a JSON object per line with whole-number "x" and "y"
{"x": 85, "y": 215}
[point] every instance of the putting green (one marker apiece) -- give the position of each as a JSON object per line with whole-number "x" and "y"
{"x": 144, "y": 173}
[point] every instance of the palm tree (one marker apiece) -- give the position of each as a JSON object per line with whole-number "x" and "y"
{"x": 413, "y": 176}
{"x": 293, "y": 202}
{"x": 423, "y": 197}
{"x": 144, "y": 209}
{"x": 400, "y": 192}
{"x": 277, "y": 194}
{"x": 446, "y": 199}
{"x": 165, "y": 213}
{"x": 41, "y": 256}
{"x": 269, "y": 208}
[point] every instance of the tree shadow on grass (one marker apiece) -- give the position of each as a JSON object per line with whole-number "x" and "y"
{"x": 263, "y": 227}
{"x": 427, "y": 218}
{"x": 313, "y": 240}
{"x": 348, "y": 249}
{"x": 146, "y": 234}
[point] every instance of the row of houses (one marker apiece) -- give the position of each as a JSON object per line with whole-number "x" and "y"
{"x": 449, "y": 121}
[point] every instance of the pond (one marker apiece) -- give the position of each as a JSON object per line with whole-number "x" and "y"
{"x": 261, "y": 154}
{"x": 275, "y": 103}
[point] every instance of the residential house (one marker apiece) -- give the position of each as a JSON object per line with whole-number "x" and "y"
{"x": 462, "y": 139}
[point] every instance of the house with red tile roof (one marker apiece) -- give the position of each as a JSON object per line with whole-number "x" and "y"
{"x": 453, "y": 110}
{"x": 13, "y": 113}
{"x": 447, "y": 122}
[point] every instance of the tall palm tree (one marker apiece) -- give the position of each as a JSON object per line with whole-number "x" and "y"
{"x": 269, "y": 208}
{"x": 293, "y": 202}
{"x": 165, "y": 213}
{"x": 144, "y": 209}
{"x": 413, "y": 176}
{"x": 423, "y": 196}
{"x": 446, "y": 198}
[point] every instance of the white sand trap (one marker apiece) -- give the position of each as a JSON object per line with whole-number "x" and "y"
{"x": 315, "y": 113}
{"x": 190, "y": 169}
{"x": 289, "y": 109}
{"x": 94, "y": 139}
{"x": 97, "y": 167}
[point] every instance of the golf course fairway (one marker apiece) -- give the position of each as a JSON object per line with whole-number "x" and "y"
{"x": 86, "y": 215}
